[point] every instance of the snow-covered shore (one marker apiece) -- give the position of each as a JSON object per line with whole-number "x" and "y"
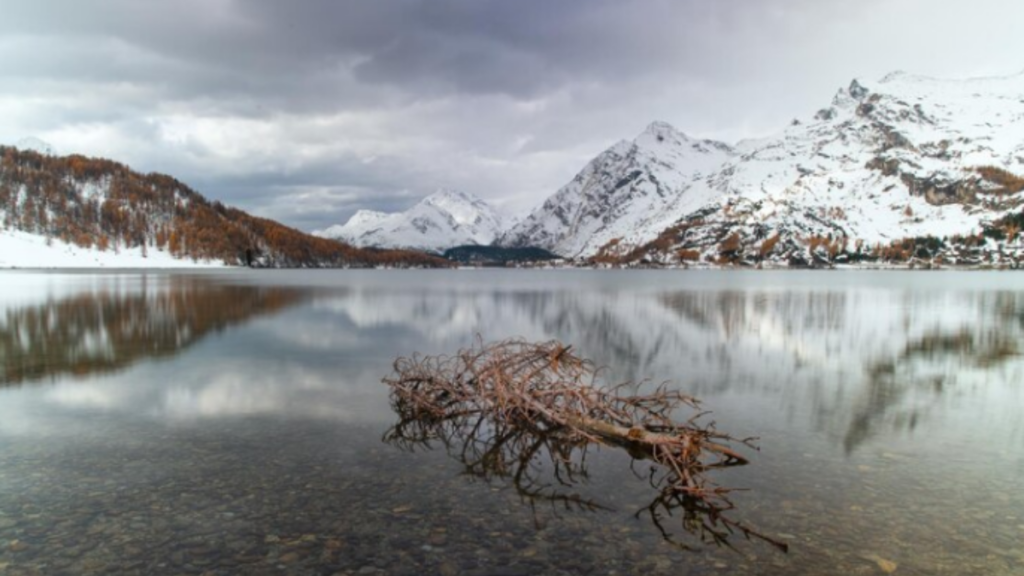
{"x": 22, "y": 250}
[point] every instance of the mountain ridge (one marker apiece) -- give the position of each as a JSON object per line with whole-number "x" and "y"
{"x": 905, "y": 167}
{"x": 632, "y": 184}
{"x": 445, "y": 219}
{"x": 906, "y": 157}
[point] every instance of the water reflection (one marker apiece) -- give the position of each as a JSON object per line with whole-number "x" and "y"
{"x": 856, "y": 363}
{"x": 254, "y": 442}
{"x": 547, "y": 466}
{"x": 115, "y": 326}
{"x": 899, "y": 392}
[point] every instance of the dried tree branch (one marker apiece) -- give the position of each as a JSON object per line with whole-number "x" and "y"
{"x": 508, "y": 400}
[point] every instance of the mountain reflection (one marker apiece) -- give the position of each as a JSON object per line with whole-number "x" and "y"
{"x": 859, "y": 365}
{"x": 856, "y": 362}
{"x": 899, "y": 392}
{"x": 112, "y": 326}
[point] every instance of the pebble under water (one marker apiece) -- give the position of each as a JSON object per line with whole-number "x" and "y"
{"x": 166, "y": 423}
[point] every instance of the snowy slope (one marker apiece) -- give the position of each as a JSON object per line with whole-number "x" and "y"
{"x": 884, "y": 161}
{"x": 891, "y": 160}
{"x": 442, "y": 220}
{"x": 23, "y": 250}
{"x": 640, "y": 185}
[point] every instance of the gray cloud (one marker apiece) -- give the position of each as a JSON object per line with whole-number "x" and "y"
{"x": 306, "y": 111}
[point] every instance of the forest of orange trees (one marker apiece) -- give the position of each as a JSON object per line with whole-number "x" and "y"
{"x": 103, "y": 204}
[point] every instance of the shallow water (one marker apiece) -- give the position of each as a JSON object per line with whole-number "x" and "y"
{"x": 232, "y": 422}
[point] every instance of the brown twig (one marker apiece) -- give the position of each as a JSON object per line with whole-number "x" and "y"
{"x": 529, "y": 396}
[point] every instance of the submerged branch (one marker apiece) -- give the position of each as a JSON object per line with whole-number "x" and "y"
{"x": 497, "y": 406}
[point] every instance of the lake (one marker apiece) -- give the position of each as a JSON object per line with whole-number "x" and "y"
{"x": 235, "y": 422}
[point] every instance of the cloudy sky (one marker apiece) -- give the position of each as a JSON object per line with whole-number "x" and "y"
{"x": 308, "y": 110}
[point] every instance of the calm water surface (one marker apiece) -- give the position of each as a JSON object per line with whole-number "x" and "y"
{"x": 222, "y": 423}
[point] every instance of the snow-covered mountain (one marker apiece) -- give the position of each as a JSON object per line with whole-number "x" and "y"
{"x": 905, "y": 157}
{"x": 442, "y": 220}
{"x": 36, "y": 145}
{"x": 638, "y": 185}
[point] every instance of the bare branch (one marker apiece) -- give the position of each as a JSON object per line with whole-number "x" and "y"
{"x": 499, "y": 405}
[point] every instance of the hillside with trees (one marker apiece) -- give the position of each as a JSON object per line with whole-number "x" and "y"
{"x": 497, "y": 256}
{"x": 102, "y": 204}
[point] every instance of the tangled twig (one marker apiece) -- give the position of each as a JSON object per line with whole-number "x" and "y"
{"x": 499, "y": 405}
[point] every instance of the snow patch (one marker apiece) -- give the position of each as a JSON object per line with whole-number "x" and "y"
{"x": 23, "y": 250}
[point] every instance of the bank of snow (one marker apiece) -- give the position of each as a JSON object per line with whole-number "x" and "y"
{"x": 22, "y": 250}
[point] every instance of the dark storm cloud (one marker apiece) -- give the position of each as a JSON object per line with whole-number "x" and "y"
{"x": 341, "y": 104}
{"x": 294, "y": 53}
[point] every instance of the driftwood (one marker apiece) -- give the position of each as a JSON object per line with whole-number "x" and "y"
{"x": 500, "y": 405}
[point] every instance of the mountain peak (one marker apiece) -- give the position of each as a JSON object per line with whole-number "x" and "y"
{"x": 661, "y": 131}
{"x": 850, "y": 95}
{"x": 463, "y": 207}
{"x": 444, "y": 219}
{"x": 367, "y": 217}
{"x": 660, "y": 126}
{"x": 856, "y": 90}
{"x": 629, "y": 186}
{"x": 36, "y": 145}
{"x": 450, "y": 194}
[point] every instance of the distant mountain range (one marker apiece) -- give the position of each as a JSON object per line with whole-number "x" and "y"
{"x": 445, "y": 219}
{"x": 906, "y": 168}
{"x": 910, "y": 167}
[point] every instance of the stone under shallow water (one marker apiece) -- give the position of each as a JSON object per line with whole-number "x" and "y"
{"x": 253, "y": 445}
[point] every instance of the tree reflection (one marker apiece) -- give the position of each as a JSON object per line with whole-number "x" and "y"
{"x": 109, "y": 329}
{"x": 547, "y": 465}
{"x": 926, "y": 367}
